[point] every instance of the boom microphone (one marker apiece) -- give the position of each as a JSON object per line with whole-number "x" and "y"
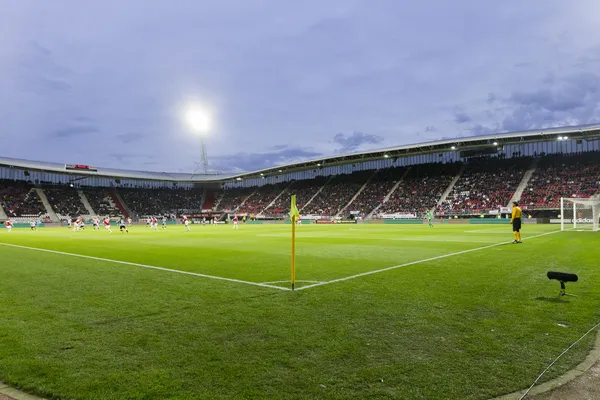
{"x": 562, "y": 277}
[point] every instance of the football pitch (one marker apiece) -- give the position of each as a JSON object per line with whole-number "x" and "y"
{"x": 380, "y": 311}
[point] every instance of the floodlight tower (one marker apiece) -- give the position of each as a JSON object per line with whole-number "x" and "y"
{"x": 199, "y": 122}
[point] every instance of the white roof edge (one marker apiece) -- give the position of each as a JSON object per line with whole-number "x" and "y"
{"x": 203, "y": 178}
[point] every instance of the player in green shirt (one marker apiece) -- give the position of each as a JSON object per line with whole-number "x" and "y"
{"x": 429, "y": 218}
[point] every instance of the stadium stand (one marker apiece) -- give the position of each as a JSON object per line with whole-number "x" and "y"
{"x": 336, "y": 194}
{"x": 231, "y": 199}
{"x": 262, "y": 198}
{"x": 375, "y": 191}
{"x": 101, "y": 200}
{"x": 574, "y": 175}
{"x": 304, "y": 191}
{"x": 19, "y": 199}
{"x": 485, "y": 185}
{"x": 65, "y": 200}
{"x": 210, "y": 199}
{"x": 421, "y": 189}
{"x": 162, "y": 201}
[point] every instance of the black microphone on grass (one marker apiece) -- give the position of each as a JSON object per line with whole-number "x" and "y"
{"x": 562, "y": 277}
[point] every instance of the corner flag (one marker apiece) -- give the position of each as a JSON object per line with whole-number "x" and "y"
{"x": 294, "y": 214}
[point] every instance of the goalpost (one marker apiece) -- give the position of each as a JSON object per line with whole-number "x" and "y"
{"x": 580, "y": 214}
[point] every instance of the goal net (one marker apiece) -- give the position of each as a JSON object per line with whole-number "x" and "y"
{"x": 580, "y": 214}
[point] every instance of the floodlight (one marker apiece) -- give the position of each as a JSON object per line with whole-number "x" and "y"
{"x": 386, "y": 156}
{"x": 453, "y": 147}
{"x": 495, "y": 143}
{"x": 198, "y": 119}
{"x": 565, "y": 137}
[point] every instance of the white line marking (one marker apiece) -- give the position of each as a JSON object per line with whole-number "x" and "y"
{"x": 149, "y": 267}
{"x": 416, "y": 262}
{"x": 289, "y": 281}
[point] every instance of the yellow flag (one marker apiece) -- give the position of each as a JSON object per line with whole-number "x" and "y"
{"x": 294, "y": 214}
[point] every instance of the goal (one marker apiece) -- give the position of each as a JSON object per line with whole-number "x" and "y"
{"x": 580, "y": 214}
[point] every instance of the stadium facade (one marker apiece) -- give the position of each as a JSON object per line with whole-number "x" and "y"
{"x": 445, "y": 155}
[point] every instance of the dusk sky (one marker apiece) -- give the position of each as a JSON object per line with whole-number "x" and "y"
{"x": 105, "y": 82}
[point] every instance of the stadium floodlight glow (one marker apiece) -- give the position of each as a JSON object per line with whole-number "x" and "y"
{"x": 261, "y": 174}
{"x": 386, "y": 156}
{"x": 280, "y": 171}
{"x": 565, "y": 137}
{"x": 495, "y": 143}
{"x": 318, "y": 164}
{"x": 453, "y": 147}
{"x": 197, "y": 119}
{"x": 238, "y": 179}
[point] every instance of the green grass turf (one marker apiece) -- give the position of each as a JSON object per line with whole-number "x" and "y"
{"x": 469, "y": 326}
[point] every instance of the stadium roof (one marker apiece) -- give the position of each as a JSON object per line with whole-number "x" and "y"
{"x": 457, "y": 144}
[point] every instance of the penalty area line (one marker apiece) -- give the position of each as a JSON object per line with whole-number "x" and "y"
{"x": 177, "y": 271}
{"x": 347, "y": 278}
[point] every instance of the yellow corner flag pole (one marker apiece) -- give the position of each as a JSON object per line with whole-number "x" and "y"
{"x": 294, "y": 214}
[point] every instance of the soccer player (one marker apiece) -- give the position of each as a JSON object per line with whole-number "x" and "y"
{"x": 215, "y": 221}
{"x": 299, "y": 220}
{"x": 107, "y": 224}
{"x": 516, "y": 222}
{"x": 122, "y": 226}
{"x": 149, "y": 222}
{"x": 8, "y": 225}
{"x": 32, "y": 225}
{"x": 235, "y": 223}
{"x": 186, "y": 222}
{"x": 429, "y": 218}
{"x": 155, "y": 223}
{"x": 164, "y": 222}
{"x": 129, "y": 222}
{"x": 96, "y": 223}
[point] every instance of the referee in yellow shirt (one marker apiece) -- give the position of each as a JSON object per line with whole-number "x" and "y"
{"x": 516, "y": 222}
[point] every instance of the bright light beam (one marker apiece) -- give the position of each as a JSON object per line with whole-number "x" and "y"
{"x": 197, "y": 119}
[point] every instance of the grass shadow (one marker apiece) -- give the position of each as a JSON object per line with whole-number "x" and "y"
{"x": 552, "y": 299}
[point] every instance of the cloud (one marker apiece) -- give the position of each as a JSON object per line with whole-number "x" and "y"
{"x": 43, "y": 85}
{"x": 39, "y": 72}
{"x": 327, "y": 68}
{"x": 129, "y": 137}
{"x": 355, "y": 140}
{"x": 461, "y": 118}
{"x": 74, "y": 130}
{"x": 478, "y": 130}
{"x": 572, "y": 100}
{"x": 83, "y": 119}
{"x": 243, "y": 161}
